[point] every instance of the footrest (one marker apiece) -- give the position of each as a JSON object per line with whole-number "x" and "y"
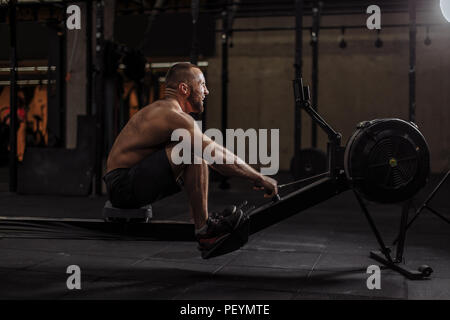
{"x": 113, "y": 214}
{"x": 232, "y": 242}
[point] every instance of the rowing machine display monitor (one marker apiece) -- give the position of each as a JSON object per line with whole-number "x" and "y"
{"x": 387, "y": 160}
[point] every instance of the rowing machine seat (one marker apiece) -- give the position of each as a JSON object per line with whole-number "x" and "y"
{"x": 113, "y": 214}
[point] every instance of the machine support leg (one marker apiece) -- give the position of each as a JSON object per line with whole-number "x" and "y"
{"x": 384, "y": 256}
{"x": 425, "y": 205}
{"x": 385, "y": 250}
{"x": 402, "y": 233}
{"x": 427, "y": 201}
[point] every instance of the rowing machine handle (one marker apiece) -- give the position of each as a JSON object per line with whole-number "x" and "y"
{"x": 275, "y": 198}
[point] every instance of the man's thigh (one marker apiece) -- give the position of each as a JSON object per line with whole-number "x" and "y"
{"x": 153, "y": 178}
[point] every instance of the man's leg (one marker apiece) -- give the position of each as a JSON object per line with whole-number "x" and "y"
{"x": 196, "y": 181}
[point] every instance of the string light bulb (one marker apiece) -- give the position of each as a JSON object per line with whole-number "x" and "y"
{"x": 427, "y": 40}
{"x": 445, "y": 8}
{"x": 342, "y": 42}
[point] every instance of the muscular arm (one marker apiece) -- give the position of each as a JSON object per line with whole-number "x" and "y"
{"x": 235, "y": 167}
{"x": 228, "y": 164}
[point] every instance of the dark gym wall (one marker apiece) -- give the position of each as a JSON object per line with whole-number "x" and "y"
{"x": 32, "y": 40}
{"x": 359, "y": 83}
{"x": 170, "y": 34}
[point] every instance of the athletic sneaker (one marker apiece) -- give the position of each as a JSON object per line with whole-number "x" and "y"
{"x": 225, "y": 212}
{"x": 231, "y": 209}
{"x": 219, "y": 228}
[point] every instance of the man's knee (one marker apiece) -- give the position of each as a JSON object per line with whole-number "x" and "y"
{"x": 195, "y": 162}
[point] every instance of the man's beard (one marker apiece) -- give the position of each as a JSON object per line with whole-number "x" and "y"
{"x": 196, "y": 105}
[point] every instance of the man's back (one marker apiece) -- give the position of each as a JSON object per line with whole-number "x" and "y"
{"x": 146, "y": 132}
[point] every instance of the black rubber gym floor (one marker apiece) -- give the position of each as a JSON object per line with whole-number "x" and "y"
{"x": 320, "y": 253}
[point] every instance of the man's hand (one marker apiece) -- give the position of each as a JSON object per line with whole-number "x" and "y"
{"x": 268, "y": 184}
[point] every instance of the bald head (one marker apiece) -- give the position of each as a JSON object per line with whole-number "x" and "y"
{"x": 180, "y": 72}
{"x": 186, "y": 83}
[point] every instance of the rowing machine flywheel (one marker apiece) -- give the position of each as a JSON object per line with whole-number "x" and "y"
{"x": 387, "y": 160}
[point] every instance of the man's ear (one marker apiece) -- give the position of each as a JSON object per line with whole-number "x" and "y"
{"x": 184, "y": 88}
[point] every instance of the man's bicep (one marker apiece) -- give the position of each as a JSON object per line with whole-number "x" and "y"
{"x": 184, "y": 127}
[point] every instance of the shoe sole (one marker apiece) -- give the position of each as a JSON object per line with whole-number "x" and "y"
{"x": 210, "y": 253}
{"x": 222, "y": 239}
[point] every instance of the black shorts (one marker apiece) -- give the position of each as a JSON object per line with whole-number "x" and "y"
{"x": 150, "y": 180}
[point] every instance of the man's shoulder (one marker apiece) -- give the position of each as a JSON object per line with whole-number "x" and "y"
{"x": 162, "y": 106}
{"x": 156, "y": 105}
{"x": 157, "y": 109}
{"x": 167, "y": 112}
{"x": 163, "y": 103}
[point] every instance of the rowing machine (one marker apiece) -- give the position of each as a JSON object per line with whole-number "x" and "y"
{"x": 385, "y": 161}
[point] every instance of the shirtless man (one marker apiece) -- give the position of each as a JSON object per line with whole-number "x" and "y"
{"x": 140, "y": 170}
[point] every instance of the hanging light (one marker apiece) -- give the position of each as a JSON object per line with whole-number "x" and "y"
{"x": 378, "y": 42}
{"x": 313, "y": 37}
{"x": 342, "y": 42}
{"x": 427, "y": 40}
{"x": 445, "y": 8}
